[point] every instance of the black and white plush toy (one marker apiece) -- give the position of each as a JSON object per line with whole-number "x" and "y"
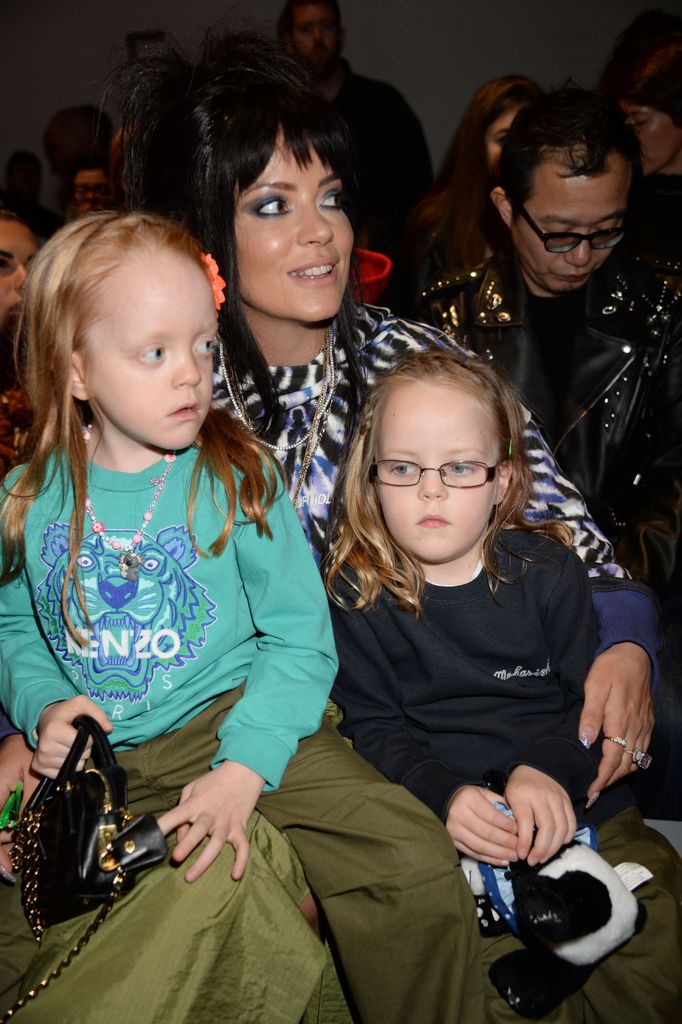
{"x": 570, "y": 913}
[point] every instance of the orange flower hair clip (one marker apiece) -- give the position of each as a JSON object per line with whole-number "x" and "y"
{"x": 217, "y": 283}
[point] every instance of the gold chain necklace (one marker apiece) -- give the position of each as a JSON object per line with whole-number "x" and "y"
{"x": 322, "y": 408}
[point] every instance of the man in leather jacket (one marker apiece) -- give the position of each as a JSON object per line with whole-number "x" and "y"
{"x": 590, "y": 336}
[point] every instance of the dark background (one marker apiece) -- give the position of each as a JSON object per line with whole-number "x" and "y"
{"x": 437, "y": 52}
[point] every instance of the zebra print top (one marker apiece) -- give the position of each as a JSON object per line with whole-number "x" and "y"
{"x": 382, "y": 339}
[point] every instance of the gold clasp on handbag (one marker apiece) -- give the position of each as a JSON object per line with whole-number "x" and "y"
{"x": 106, "y": 835}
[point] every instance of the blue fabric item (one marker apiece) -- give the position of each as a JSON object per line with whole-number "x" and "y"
{"x": 629, "y": 615}
{"x": 498, "y": 885}
{"x": 6, "y": 727}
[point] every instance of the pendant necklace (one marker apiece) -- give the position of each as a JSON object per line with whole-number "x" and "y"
{"x": 129, "y": 560}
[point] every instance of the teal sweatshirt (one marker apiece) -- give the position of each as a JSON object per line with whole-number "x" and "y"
{"x": 159, "y": 649}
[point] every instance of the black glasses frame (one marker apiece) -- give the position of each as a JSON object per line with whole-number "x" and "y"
{"x": 615, "y": 236}
{"x": 490, "y": 473}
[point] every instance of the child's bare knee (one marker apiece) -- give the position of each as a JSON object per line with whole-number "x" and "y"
{"x": 308, "y": 908}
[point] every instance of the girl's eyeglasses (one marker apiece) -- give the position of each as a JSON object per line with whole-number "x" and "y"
{"x": 398, "y": 473}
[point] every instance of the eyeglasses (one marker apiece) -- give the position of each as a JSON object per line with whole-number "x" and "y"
{"x": 397, "y": 473}
{"x": 564, "y": 241}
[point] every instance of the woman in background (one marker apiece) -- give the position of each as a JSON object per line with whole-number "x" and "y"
{"x": 18, "y": 245}
{"x": 645, "y": 74}
{"x": 455, "y": 224}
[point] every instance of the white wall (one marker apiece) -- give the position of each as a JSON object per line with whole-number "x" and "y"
{"x": 56, "y": 53}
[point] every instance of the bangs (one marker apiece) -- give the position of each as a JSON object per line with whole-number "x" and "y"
{"x": 304, "y": 122}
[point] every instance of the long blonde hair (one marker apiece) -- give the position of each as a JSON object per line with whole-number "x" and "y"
{"x": 364, "y": 553}
{"x": 60, "y": 304}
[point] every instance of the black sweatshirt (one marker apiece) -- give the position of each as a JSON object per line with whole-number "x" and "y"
{"x": 477, "y": 682}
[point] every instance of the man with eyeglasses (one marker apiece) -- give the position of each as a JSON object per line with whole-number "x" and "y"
{"x": 591, "y": 337}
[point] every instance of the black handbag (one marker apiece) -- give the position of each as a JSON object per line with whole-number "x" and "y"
{"x": 77, "y": 845}
{"x": 76, "y": 836}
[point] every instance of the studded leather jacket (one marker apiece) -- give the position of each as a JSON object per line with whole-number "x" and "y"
{"x": 618, "y": 434}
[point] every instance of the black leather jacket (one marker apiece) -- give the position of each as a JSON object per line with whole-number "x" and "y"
{"x": 619, "y": 433}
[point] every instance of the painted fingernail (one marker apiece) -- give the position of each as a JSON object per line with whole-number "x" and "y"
{"x": 593, "y": 799}
{"x": 7, "y": 876}
{"x": 587, "y": 738}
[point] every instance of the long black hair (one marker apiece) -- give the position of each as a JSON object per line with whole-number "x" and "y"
{"x": 197, "y": 133}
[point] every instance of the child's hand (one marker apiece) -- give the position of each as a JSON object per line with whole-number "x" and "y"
{"x": 480, "y": 830}
{"x": 56, "y": 734}
{"x": 218, "y": 804}
{"x": 536, "y": 799}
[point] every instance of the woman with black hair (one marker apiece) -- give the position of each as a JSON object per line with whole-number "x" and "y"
{"x": 224, "y": 145}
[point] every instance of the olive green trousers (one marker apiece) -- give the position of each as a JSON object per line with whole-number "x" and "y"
{"x": 382, "y": 866}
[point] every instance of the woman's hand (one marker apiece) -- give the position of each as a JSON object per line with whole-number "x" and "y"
{"x": 480, "y": 830}
{"x": 617, "y": 702}
{"x": 219, "y": 805}
{"x": 537, "y": 801}
{"x": 56, "y": 733}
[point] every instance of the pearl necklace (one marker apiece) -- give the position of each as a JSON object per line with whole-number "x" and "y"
{"x": 324, "y": 403}
{"x": 130, "y": 561}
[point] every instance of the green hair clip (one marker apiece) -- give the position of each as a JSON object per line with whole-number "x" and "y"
{"x": 510, "y": 449}
{"x": 9, "y": 815}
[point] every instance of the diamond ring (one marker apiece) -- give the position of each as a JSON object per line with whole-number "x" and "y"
{"x": 640, "y": 758}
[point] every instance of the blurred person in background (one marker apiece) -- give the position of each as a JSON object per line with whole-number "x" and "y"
{"x": 72, "y": 136}
{"x": 17, "y": 246}
{"x": 456, "y": 224}
{"x": 91, "y": 191}
{"x": 22, "y": 192}
{"x": 385, "y": 129}
{"x": 645, "y": 74}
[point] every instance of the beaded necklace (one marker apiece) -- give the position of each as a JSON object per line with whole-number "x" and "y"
{"x": 129, "y": 560}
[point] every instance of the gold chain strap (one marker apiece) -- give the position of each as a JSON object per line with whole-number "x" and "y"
{"x": 26, "y": 857}
{"x": 116, "y": 886}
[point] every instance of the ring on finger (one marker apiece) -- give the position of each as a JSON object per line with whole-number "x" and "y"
{"x": 640, "y": 758}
